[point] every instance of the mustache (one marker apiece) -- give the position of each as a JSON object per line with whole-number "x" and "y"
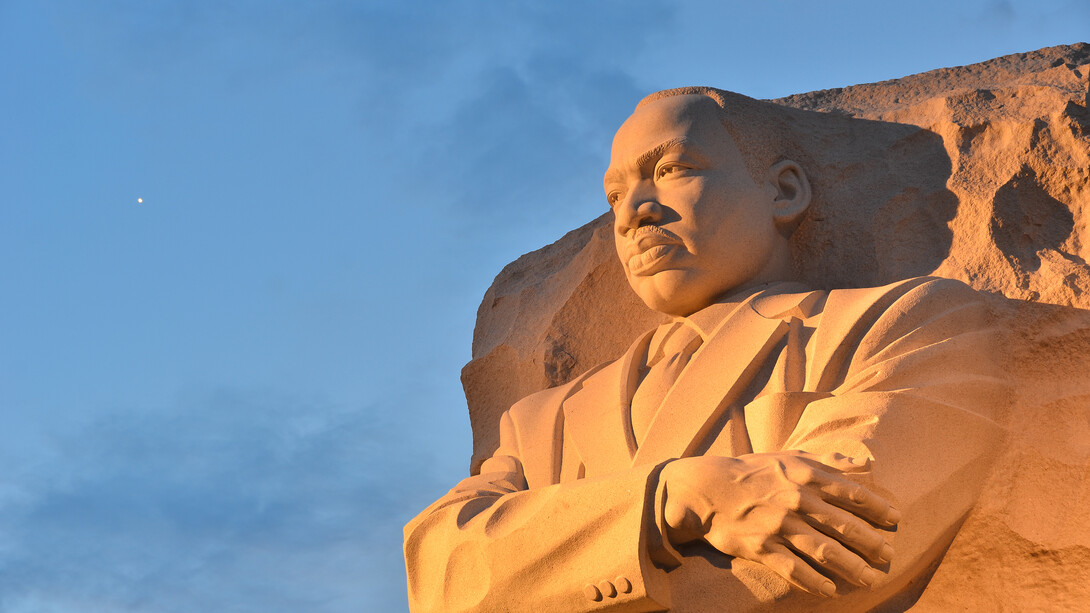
{"x": 645, "y": 237}
{"x": 652, "y": 230}
{"x": 643, "y": 231}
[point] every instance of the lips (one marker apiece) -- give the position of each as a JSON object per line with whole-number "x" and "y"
{"x": 649, "y": 250}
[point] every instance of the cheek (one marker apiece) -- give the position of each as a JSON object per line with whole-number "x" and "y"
{"x": 691, "y": 193}
{"x": 729, "y": 226}
{"x": 617, "y": 239}
{"x": 707, "y": 210}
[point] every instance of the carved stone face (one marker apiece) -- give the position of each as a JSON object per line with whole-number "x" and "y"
{"x": 690, "y": 222}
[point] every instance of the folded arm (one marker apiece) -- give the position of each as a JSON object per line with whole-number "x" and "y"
{"x": 491, "y": 544}
{"x": 915, "y": 400}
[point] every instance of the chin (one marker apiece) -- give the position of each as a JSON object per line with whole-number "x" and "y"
{"x": 678, "y": 292}
{"x": 672, "y": 309}
{"x": 670, "y": 298}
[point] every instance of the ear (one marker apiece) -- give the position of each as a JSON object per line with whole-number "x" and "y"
{"x": 792, "y": 192}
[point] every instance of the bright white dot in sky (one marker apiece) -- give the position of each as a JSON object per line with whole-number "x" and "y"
{"x": 139, "y": 201}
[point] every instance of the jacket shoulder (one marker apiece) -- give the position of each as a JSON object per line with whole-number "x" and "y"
{"x": 930, "y": 289}
{"x": 533, "y": 408}
{"x": 862, "y": 321}
{"x": 533, "y": 430}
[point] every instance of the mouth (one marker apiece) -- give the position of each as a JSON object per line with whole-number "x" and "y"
{"x": 649, "y": 249}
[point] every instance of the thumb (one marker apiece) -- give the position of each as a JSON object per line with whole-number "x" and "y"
{"x": 837, "y": 461}
{"x": 847, "y": 464}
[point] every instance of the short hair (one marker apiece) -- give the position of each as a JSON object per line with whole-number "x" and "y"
{"x": 759, "y": 129}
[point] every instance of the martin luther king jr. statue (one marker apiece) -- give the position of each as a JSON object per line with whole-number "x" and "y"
{"x": 772, "y": 448}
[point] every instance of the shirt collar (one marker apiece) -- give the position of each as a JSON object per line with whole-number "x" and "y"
{"x": 706, "y": 320}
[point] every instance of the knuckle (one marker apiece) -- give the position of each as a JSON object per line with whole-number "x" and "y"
{"x": 849, "y": 530}
{"x": 790, "y": 499}
{"x": 777, "y": 520}
{"x": 807, "y": 473}
{"x": 788, "y": 565}
{"x": 760, "y": 545}
{"x": 794, "y": 500}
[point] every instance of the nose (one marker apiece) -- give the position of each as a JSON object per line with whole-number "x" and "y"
{"x": 636, "y": 210}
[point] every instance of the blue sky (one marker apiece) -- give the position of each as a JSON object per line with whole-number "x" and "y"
{"x": 231, "y": 396}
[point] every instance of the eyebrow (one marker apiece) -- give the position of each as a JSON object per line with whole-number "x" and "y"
{"x": 651, "y": 154}
{"x": 658, "y": 150}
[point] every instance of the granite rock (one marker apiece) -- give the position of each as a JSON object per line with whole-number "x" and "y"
{"x": 979, "y": 173}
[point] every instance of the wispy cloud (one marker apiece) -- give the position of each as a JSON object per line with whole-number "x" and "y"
{"x": 236, "y": 502}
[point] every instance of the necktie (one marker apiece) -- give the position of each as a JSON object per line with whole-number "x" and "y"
{"x": 664, "y": 367}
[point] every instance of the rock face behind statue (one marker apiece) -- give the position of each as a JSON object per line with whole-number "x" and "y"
{"x": 979, "y": 173}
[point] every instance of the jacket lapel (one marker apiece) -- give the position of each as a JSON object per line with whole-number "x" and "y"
{"x": 718, "y": 373}
{"x": 597, "y": 416}
{"x": 838, "y": 336}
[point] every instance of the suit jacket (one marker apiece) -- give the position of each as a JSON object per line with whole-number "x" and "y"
{"x": 562, "y": 516}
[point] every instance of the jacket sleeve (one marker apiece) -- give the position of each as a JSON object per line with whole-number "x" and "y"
{"x": 493, "y": 544}
{"x": 920, "y": 396}
{"x": 903, "y": 376}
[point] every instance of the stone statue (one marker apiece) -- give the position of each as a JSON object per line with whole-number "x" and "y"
{"x": 769, "y": 447}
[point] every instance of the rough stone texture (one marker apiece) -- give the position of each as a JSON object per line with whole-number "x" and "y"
{"x": 979, "y": 173}
{"x": 1015, "y": 130}
{"x": 1025, "y": 547}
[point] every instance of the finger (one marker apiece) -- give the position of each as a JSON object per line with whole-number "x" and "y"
{"x": 838, "y": 461}
{"x": 797, "y": 572}
{"x": 848, "y": 495}
{"x": 782, "y": 560}
{"x": 828, "y": 554}
{"x": 849, "y": 530}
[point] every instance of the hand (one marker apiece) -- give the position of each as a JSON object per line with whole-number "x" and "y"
{"x": 792, "y": 511}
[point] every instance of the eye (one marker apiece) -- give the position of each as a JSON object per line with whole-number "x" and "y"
{"x": 614, "y": 197}
{"x": 669, "y": 168}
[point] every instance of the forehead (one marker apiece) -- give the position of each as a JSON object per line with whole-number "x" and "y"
{"x": 693, "y": 118}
